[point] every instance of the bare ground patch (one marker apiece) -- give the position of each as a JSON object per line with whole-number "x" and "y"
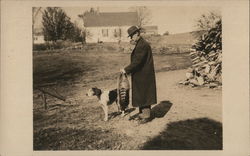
{"x": 184, "y": 118}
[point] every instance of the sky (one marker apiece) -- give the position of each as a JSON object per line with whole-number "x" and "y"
{"x": 174, "y": 19}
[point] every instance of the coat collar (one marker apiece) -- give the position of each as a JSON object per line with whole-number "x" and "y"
{"x": 138, "y": 42}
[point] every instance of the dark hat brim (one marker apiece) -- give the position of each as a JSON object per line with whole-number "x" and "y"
{"x": 134, "y": 32}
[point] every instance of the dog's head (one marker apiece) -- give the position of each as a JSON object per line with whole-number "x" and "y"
{"x": 94, "y": 91}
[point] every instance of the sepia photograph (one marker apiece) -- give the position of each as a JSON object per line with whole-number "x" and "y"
{"x": 124, "y": 78}
{"x": 127, "y": 78}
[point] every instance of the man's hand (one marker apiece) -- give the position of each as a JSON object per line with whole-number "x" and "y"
{"x": 123, "y": 71}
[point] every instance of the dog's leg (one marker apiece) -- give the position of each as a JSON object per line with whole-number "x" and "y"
{"x": 123, "y": 113}
{"x": 105, "y": 109}
{"x": 118, "y": 106}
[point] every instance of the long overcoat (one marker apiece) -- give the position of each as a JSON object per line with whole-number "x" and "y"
{"x": 142, "y": 73}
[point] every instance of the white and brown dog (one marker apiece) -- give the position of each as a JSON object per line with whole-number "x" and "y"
{"x": 106, "y": 98}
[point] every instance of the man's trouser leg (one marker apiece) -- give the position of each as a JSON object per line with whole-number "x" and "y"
{"x": 144, "y": 112}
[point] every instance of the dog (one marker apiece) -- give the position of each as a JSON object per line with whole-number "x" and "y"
{"x": 106, "y": 98}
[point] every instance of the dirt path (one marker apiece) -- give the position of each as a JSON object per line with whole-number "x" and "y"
{"x": 191, "y": 107}
{"x": 184, "y": 118}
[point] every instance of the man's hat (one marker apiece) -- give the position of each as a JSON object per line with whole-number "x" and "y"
{"x": 132, "y": 30}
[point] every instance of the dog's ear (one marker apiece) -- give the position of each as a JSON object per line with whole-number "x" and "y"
{"x": 96, "y": 91}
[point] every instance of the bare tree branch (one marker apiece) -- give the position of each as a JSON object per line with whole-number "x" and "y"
{"x": 207, "y": 21}
{"x": 144, "y": 15}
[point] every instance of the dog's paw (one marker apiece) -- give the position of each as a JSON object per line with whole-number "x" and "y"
{"x": 105, "y": 119}
{"x": 123, "y": 114}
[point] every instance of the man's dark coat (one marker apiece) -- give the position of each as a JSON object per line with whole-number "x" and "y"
{"x": 142, "y": 73}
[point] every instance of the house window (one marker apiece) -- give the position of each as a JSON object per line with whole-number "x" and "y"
{"x": 117, "y": 33}
{"x": 105, "y": 32}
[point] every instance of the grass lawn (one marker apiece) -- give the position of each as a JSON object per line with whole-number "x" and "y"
{"x": 86, "y": 67}
{"x": 79, "y": 126}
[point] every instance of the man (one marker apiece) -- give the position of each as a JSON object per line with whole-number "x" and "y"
{"x": 142, "y": 73}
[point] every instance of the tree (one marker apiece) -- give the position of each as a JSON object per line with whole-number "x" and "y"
{"x": 75, "y": 34}
{"x": 210, "y": 41}
{"x": 144, "y": 15}
{"x": 56, "y": 24}
{"x": 208, "y": 20}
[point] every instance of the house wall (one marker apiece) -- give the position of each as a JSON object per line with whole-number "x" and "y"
{"x": 151, "y": 32}
{"x": 107, "y": 34}
{"x": 39, "y": 39}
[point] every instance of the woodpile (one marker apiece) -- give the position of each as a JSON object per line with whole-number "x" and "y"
{"x": 206, "y": 57}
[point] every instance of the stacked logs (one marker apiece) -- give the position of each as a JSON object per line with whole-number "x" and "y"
{"x": 206, "y": 57}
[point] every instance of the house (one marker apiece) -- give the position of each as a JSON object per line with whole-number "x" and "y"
{"x": 150, "y": 30}
{"x": 109, "y": 26}
{"x": 38, "y": 36}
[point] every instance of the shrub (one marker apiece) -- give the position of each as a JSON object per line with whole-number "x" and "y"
{"x": 39, "y": 47}
{"x": 60, "y": 44}
{"x": 166, "y": 33}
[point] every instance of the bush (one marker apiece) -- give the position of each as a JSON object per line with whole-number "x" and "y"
{"x": 60, "y": 44}
{"x": 166, "y": 33}
{"x": 39, "y": 47}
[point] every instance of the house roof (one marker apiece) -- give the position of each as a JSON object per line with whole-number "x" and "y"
{"x": 111, "y": 19}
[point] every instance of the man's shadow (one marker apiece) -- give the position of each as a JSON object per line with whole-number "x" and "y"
{"x": 158, "y": 111}
{"x": 161, "y": 109}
